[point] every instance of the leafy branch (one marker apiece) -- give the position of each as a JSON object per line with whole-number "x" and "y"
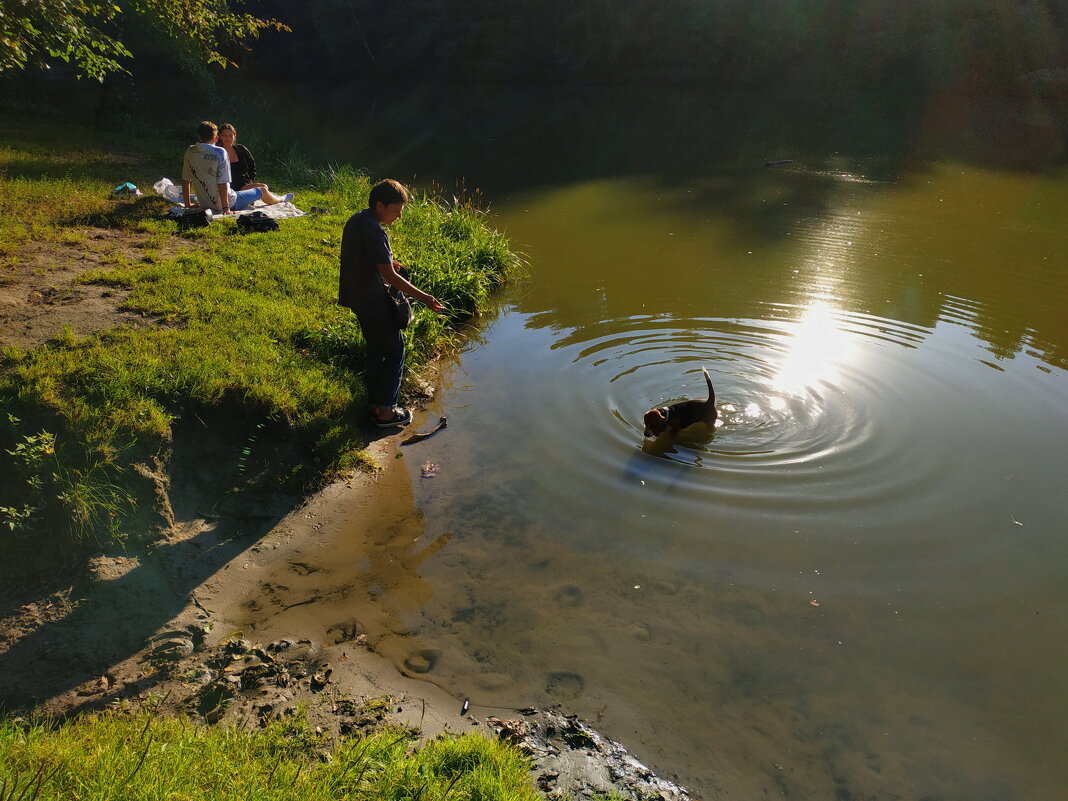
{"x": 86, "y": 33}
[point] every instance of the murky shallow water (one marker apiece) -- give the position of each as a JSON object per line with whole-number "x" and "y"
{"x": 855, "y": 587}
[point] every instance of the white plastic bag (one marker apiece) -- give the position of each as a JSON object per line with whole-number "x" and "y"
{"x": 173, "y": 193}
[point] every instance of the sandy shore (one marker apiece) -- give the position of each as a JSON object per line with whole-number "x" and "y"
{"x": 250, "y": 578}
{"x": 240, "y": 618}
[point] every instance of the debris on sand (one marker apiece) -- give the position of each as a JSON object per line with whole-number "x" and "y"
{"x": 574, "y": 760}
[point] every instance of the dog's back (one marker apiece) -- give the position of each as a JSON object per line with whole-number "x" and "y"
{"x": 680, "y": 415}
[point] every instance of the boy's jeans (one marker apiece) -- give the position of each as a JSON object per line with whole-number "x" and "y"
{"x": 385, "y": 354}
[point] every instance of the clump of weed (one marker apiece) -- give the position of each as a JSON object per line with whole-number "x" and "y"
{"x": 49, "y": 490}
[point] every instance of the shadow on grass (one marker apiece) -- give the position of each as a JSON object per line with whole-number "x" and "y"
{"x": 125, "y": 214}
{"x": 113, "y": 618}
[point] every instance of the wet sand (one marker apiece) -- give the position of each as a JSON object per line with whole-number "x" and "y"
{"x": 80, "y": 648}
{"x": 298, "y": 582}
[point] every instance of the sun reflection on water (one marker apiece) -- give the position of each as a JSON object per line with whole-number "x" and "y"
{"x": 817, "y": 349}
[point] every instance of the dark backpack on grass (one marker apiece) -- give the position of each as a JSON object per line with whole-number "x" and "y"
{"x": 256, "y": 222}
{"x": 190, "y": 218}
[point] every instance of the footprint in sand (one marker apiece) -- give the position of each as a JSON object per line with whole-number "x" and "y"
{"x": 640, "y": 631}
{"x": 563, "y": 686}
{"x": 569, "y": 595}
{"x": 422, "y": 661}
{"x": 346, "y": 632}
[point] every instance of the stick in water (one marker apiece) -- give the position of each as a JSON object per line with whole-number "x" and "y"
{"x": 414, "y": 438}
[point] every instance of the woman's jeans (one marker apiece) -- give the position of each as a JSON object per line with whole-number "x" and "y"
{"x": 385, "y": 354}
{"x": 245, "y": 198}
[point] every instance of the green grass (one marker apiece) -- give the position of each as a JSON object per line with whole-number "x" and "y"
{"x": 246, "y": 325}
{"x": 145, "y": 757}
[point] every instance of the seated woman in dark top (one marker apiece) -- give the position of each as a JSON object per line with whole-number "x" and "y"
{"x": 242, "y": 165}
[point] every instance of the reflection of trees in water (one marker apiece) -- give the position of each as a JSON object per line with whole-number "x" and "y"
{"x": 978, "y": 248}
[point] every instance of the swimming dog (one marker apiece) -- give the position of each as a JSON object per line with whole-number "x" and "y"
{"x": 679, "y": 415}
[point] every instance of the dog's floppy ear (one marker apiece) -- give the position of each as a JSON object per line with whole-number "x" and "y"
{"x": 655, "y": 422}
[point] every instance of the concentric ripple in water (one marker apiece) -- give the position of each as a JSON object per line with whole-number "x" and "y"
{"x": 803, "y": 404}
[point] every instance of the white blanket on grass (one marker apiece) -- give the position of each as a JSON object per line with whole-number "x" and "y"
{"x": 279, "y": 211}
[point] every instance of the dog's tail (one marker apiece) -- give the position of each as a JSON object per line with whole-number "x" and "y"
{"x": 711, "y": 392}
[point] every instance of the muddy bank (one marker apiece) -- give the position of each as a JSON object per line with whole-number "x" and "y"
{"x": 233, "y": 622}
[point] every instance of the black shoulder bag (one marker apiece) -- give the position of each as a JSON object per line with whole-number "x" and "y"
{"x": 256, "y": 222}
{"x": 190, "y": 218}
{"x": 399, "y": 305}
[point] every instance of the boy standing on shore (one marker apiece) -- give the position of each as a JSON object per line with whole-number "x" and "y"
{"x": 367, "y": 269}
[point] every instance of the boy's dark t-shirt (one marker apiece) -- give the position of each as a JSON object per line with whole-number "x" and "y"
{"x": 364, "y": 245}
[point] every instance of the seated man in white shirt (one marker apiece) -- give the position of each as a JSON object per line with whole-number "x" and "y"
{"x": 206, "y": 170}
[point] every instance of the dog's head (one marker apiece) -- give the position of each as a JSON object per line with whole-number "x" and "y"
{"x": 655, "y": 422}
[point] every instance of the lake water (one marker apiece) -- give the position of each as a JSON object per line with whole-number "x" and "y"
{"x": 855, "y": 587}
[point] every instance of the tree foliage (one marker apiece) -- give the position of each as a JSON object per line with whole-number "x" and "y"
{"x": 994, "y": 43}
{"x": 88, "y": 34}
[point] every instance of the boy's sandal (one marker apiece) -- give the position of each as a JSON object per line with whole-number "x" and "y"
{"x": 400, "y": 417}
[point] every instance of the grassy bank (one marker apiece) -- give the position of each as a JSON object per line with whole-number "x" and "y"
{"x": 143, "y": 756}
{"x": 230, "y": 340}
